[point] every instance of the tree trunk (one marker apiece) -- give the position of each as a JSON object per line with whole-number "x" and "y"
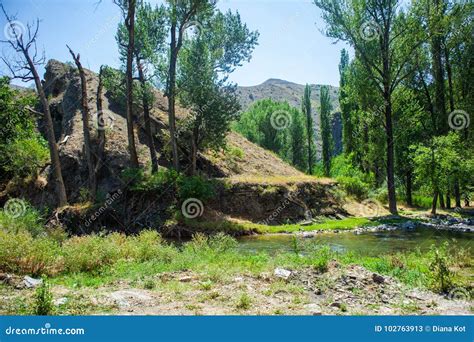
{"x": 171, "y": 95}
{"x": 441, "y": 200}
{"x": 392, "y": 197}
{"x": 146, "y": 117}
{"x": 194, "y": 156}
{"x": 53, "y": 147}
{"x": 409, "y": 186}
{"x": 435, "y": 202}
{"x": 130, "y": 24}
{"x": 100, "y": 126}
{"x": 466, "y": 201}
{"x": 85, "y": 128}
{"x": 457, "y": 193}
{"x": 448, "y": 199}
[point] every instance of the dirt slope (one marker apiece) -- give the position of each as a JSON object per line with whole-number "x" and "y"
{"x": 63, "y": 89}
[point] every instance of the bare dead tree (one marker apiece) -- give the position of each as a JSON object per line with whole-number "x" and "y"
{"x": 23, "y": 67}
{"x": 100, "y": 125}
{"x": 85, "y": 125}
{"x": 146, "y": 114}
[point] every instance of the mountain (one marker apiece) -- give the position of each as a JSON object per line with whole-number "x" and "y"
{"x": 281, "y": 90}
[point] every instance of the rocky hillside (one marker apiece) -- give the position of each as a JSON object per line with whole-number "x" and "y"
{"x": 62, "y": 85}
{"x": 243, "y": 166}
{"x": 281, "y": 90}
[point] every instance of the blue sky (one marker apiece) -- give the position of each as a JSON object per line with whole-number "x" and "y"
{"x": 291, "y": 45}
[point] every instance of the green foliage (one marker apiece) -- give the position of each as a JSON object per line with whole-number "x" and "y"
{"x": 440, "y": 262}
{"x": 234, "y": 152}
{"x": 22, "y": 149}
{"x": 114, "y": 82}
{"x": 43, "y": 300}
{"x": 29, "y": 220}
{"x": 207, "y": 93}
{"x": 21, "y": 253}
{"x": 443, "y": 158}
{"x": 23, "y": 157}
{"x": 326, "y": 129}
{"x": 353, "y": 186}
{"x": 146, "y": 246}
{"x": 89, "y": 253}
{"x": 306, "y": 110}
{"x": 195, "y": 187}
{"x": 352, "y": 180}
{"x": 213, "y": 245}
{"x": 244, "y": 302}
{"x": 140, "y": 180}
{"x": 320, "y": 257}
{"x": 277, "y": 127}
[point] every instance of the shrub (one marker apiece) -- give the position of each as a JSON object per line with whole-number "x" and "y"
{"x": 354, "y": 186}
{"x": 89, "y": 253}
{"x": 195, "y": 187}
{"x": 20, "y": 253}
{"x": 43, "y": 305}
{"x": 29, "y": 220}
{"x": 320, "y": 257}
{"x": 216, "y": 244}
{"x": 380, "y": 194}
{"x": 142, "y": 181}
{"x": 132, "y": 175}
{"x": 160, "y": 180}
{"x": 441, "y": 275}
{"x": 23, "y": 157}
{"x": 234, "y": 152}
{"x": 149, "y": 245}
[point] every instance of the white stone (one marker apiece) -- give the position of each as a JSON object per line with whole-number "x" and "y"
{"x": 282, "y": 273}
{"x": 31, "y": 282}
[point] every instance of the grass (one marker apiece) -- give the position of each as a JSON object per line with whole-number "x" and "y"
{"x": 244, "y": 302}
{"x": 279, "y": 180}
{"x": 237, "y": 227}
{"x": 215, "y": 259}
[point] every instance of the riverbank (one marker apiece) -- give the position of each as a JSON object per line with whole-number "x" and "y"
{"x": 145, "y": 275}
{"x": 452, "y": 221}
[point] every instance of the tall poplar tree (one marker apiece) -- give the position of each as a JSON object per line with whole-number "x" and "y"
{"x": 326, "y": 132}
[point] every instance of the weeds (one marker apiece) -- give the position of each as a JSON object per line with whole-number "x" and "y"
{"x": 244, "y": 302}
{"x": 43, "y": 305}
{"x": 442, "y": 276}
